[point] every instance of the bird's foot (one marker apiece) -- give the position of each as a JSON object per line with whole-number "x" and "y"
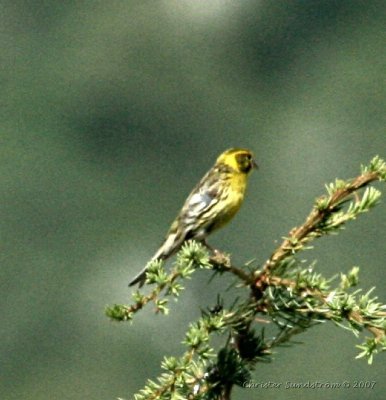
{"x": 218, "y": 257}
{"x": 221, "y": 259}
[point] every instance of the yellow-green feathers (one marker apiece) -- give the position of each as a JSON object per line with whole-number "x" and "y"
{"x": 211, "y": 204}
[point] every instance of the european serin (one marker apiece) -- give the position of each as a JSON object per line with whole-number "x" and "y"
{"x": 211, "y": 204}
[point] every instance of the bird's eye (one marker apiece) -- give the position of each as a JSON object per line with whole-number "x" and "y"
{"x": 248, "y": 157}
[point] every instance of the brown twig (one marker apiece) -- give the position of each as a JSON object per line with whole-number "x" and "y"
{"x": 298, "y": 234}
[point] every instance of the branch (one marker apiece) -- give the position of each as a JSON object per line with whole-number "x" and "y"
{"x": 283, "y": 293}
{"x": 317, "y": 222}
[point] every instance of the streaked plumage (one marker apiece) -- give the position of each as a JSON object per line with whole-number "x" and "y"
{"x": 211, "y": 204}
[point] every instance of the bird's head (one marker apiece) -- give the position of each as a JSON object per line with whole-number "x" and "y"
{"x": 241, "y": 160}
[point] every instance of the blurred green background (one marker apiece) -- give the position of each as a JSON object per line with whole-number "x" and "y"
{"x": 112, "y": 111}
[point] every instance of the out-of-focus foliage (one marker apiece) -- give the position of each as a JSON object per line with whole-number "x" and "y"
{"x": 112, "y": 111}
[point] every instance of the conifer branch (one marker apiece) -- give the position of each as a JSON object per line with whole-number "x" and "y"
{"x": 284, "y": 293}
{"x": 326, "y": 206}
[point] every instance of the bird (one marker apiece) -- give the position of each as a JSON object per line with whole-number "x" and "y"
{"x": 213, "y": 202}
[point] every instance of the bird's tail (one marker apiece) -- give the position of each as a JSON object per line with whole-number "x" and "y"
{"x": 139, "y": 278}
{"x": 168, "y": 248}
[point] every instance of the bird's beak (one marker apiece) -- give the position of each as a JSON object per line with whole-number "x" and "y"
{"x": 254, "y": 164}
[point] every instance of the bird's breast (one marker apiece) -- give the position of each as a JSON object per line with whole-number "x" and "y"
{"x": 232, "y": 199}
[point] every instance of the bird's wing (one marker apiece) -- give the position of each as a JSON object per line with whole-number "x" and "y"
{"x": 199, "y": 207}
{"x": 199, "y": 210}
{"x": 190, "y": 220}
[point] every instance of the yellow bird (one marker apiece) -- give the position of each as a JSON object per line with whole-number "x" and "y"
{"x": 211, "y": 204}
